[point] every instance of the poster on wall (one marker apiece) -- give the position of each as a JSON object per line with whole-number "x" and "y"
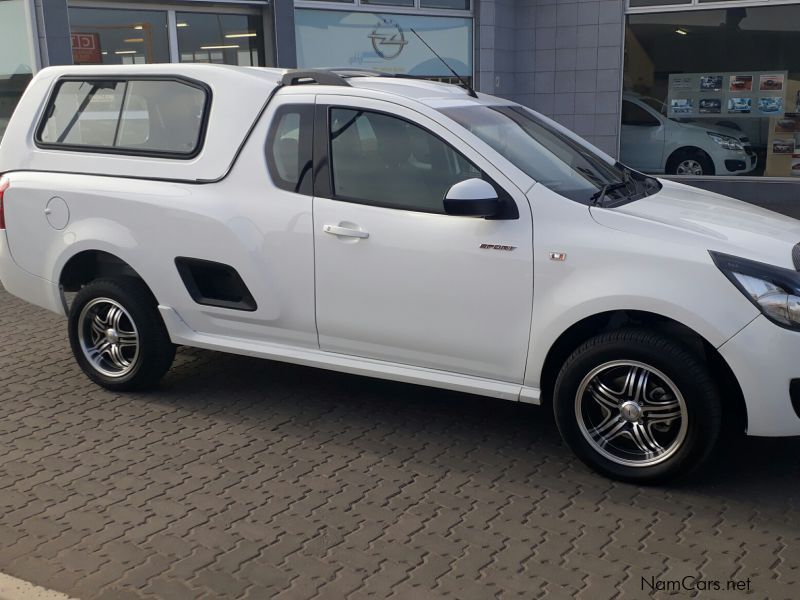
{"x": 710, "y": 106}
{"x": 383, "y": 42}
{"x": 678, "y": 82}
{"x": 783, "y": 146}
{"x": 711, "y": 83}
{"x": 681, "y": 106}
{"x": 752, "y": 95}
{"x": 740, "y": 105}
{"x": 771, "y": 83}
{"x": 741, "y": 83}
{"x": 86, "y": 49}
{"x": 787, "y": 124}
{"x": 770, "y": 106}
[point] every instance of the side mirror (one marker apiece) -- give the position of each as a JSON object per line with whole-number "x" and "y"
{"x": 472, "y": 198}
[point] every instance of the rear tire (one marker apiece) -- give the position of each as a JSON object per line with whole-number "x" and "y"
{"x": 117, "y": 335}
{"x": 637, "y": 406}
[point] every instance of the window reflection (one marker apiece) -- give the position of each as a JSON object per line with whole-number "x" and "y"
{"x": 16, "y": 63}
{"x": 713, "y": 92}
{"x": 118, "y": 37}
{"x": 221, "y": 39}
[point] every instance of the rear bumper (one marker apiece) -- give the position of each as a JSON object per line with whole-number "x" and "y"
{"x": 26, "y": 286}
{"x": 765, "y": 359}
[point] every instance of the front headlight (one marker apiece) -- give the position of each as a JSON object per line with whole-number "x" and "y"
{"x": 726, "y": 141}
{"x": 774, "y": 290}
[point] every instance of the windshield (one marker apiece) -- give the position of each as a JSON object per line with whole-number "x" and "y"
{"x": 550, "y": 157}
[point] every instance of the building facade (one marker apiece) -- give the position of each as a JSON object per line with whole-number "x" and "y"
{"x": 706, "y": 90}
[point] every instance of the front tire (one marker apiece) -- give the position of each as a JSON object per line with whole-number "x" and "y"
{"x": 117, "y": 335}
{"x": 690, "y": 161}
{"x": 637, "y": 406}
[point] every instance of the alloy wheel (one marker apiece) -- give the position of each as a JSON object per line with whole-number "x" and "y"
{"x": 108, "y": 337}
{"x": 631, "y": 413}
{"x": 689, "y": 167}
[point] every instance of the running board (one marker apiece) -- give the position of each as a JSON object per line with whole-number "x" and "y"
{"x": 181, "y": 333}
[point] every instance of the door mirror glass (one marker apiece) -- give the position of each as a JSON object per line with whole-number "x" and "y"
{"x": 472, "y": 198}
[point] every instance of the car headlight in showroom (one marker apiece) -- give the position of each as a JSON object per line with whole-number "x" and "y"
{"x": 774, "y": 290}
{"x": 726, "y": 141}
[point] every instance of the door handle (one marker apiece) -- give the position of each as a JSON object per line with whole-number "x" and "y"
{"x": 345, "y": 232}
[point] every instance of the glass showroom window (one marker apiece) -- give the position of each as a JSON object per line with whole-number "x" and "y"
{"x": 713, "y": 92}
{"x": 384, "y": 42}
{"x": 221, "y": 38}
{"x": 16, "y": 62}
{"x": 113, "y": 36}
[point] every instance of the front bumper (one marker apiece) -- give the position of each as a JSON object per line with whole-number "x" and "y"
{"x": 27, "y": 286}
{"x": 735, "y": 163}
{"x": 765, "y": 359}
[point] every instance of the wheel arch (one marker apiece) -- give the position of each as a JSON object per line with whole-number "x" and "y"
{"x": 87, "y": 265}
{"x": 735, "y": 408}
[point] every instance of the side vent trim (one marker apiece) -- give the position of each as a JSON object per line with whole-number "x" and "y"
{"x": 215, "y": 284}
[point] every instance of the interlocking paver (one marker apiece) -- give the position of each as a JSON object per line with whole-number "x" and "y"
{"x": 240, "y": 478}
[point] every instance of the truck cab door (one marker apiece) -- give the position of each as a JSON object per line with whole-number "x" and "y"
{"x": 397, "y": 279}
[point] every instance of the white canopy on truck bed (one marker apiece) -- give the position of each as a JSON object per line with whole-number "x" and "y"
{"x": 238, "y": 95}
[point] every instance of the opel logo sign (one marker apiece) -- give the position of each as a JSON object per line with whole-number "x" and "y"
{"x": 387, "y": 39}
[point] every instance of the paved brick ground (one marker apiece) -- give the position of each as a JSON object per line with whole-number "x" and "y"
{"x": 241, "y": 478}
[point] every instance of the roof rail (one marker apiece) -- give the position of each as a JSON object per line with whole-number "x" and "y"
{"x": 347, "y": 73}
{"x": 318, "y": 76}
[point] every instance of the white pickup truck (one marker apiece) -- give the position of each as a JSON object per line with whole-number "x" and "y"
{"x": 401, "y": 229}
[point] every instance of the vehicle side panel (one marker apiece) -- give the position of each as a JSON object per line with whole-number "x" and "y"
{"x": 607, "y": 270}
{"x": 243, "y": 221}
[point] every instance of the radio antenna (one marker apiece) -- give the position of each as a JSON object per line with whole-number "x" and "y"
{"x": 464, "y": 84}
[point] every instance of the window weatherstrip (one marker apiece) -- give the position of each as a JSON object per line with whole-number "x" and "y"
{"x": 94, "y": 81}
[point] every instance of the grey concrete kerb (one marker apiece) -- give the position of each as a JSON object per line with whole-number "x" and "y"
{"x": 12, "y": 588}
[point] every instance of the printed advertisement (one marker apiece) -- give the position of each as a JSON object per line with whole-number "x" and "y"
{"x": 748, "y": 94}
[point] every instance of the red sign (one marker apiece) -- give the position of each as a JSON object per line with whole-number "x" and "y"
{"x": 86, "y": 49}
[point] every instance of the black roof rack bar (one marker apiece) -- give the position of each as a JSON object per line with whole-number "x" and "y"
{"x": 347, "y": 73}
{"x": 313, "y": 76}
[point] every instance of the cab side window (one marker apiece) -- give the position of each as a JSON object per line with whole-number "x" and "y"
{"x": 637, "y": 116}
{"x": 386, "y": 161}
{"x": 289, "y": 148}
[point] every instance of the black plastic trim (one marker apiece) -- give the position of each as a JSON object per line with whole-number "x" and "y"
{"x": 189, "y": 269}
{"x": 50, "y": 105}
{"x": 305, "y": 183}
{"x": 322, "y": 166}
{"x": 794, "y": 395}
{"x": 317, "y": 76}
{"x": 735, "y": 165}
{"x": 323, "y": 176}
